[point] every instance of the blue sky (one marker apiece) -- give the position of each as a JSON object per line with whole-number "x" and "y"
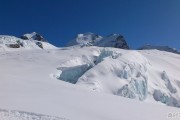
{"x": 141, "y": 22}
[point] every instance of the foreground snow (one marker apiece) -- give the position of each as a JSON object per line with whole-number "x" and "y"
{"x": 33, "y": 81}
{"x": 21, "y": 115}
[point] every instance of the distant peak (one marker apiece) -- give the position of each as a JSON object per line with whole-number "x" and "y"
{"x": 33, "y": 36}
{"x": 92, "y": 39}
{"x": 87, "y": 34}
{"x": 161, "y": 48}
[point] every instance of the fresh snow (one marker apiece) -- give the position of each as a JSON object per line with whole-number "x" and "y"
{"x": 89, "y": 83}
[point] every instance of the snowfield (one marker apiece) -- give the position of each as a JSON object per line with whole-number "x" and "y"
{"x": 89, "y": 83}
{"x": 21, "y": 115}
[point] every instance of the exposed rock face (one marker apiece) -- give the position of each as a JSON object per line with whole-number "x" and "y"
{"x": 91, "y": 39}
{"x": 39, "y": 44}
{"x": 161, "y": 48}
{"x": 113, "y": 40}
{"x": 121, "y": 43}
{"x": 33, "y": 36}
{"x": 13, "y": 45}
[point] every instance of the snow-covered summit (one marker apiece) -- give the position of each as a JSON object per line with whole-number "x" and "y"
{"x": 14, "y": 43}
{"x": 85, "y": 39}
{"x": 91, "y": 39}
{"x": 161, "y": 48}
{"x": 33, "y": 36}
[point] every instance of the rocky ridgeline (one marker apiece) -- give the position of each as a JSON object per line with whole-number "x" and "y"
{"x": 91, "y": 39}
{"x": 30, "y": 40}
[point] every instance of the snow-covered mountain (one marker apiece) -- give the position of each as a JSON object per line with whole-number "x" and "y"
{"x": 93, "y": 83}
{"x": 11, "y": 42}
{"x": 33, "y": 36}
{"x": 113, "y": 40}
{"x": 91, "y": 39}
{"x": 162, "y": 48}
{"x": 86, "y": 39}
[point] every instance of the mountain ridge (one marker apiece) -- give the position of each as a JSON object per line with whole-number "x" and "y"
{"x": 91, "y": 39}
{"x": 28, "y": 41}
{"x": 35, "y": 41}
{"x": 161, "y": 48}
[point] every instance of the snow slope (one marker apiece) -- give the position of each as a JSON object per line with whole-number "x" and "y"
{"x": 33, "y": 81}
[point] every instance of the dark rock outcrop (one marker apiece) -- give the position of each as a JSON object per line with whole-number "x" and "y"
{"x": 39, "y": 44}
{"x": 13, "y": 45}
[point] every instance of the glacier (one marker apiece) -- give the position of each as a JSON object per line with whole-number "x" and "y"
{"x": 87, "y": 83}
{"x": 122, "y": 73}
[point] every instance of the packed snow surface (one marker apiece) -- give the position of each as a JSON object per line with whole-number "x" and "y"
{"x": 90, "y": 83}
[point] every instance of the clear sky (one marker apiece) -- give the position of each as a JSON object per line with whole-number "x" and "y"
{"x": 141, "y": 22}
